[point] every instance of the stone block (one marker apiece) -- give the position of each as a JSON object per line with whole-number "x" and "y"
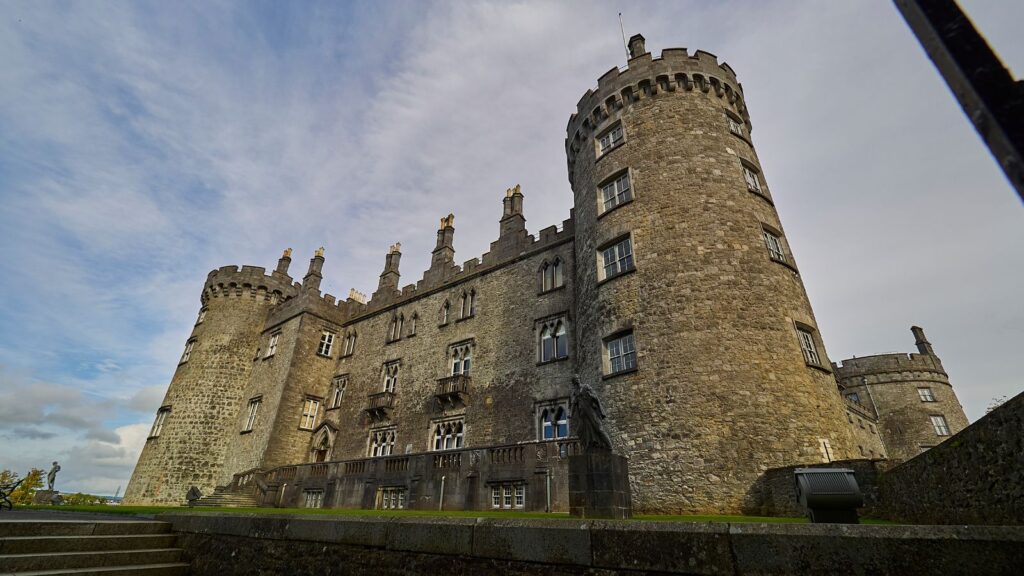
{"x": 547, "y": 541}
{"x": 599, "y": 486}
{"x": 672, "y": 547}
{"x": 431, "y": 535}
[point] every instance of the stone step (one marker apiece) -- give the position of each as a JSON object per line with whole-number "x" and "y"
{"x": 36, "y": 544}
{"x": 166, "y": 569}
{"x": 80, "y": 527}
{"x": 64, "y": 560}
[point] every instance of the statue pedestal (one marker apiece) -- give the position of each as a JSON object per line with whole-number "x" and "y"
{"x": 599, "y": 486}
{"x": 46, "y": 497}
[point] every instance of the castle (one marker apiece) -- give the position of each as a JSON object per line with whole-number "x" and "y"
{"x": 671, "y": 289}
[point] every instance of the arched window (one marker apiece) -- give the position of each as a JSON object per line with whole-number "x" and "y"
{"x": 412, "y": 323}
{"x": 547, "y": 427}
{"x": 551, "y": 275}
{"x": 461, "y": 359}
{"x": 382, "y": 442}
{"x": 472, "y": 303}
{"x": 561, "y": 422}
{"x": 390, "y": 376}
{"x": 350, "y": 343}
{"x": 448, "y": 435}
{"x": 554, "y": 422}
{"x": 554, "y": 342}
{"x": 445, "y": 309}
{"x": 321, "y": 444}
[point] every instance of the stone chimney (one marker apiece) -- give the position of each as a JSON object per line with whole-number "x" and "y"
{"x": 444, "y": 252}
{"x": 313, "y": 277}
{"x": 923, "y": 345}
{"x": 636, "y": 46}
{"x": 512, "y": 220}
{"x": 389, "y": 277}
{"x": 284, "y": 262}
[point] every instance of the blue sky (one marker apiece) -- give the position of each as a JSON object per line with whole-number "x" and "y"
{"x": 143, "y": 144}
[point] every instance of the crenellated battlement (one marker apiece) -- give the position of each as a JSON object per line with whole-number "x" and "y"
{"x": 248, "y": 281}
{"x": 648, "y": 77}
{"x": 852, "y": 369}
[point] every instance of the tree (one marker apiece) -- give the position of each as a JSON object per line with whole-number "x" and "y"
{"x": 7, "y": 477}
{"x": 995, "y": 403}
{"x": 78, "y": 499}
{"x": 24, "y": 493}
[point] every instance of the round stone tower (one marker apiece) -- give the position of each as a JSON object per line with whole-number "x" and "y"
{"x": 693, "y": 323}
{"x": 187, "y": 443}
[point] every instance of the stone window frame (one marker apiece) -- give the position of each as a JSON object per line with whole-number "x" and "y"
{"x": 551, "y": 275}
{"x": 349, "y": 343}
{"x": 202, "y": 315}
{"x": 940, "y": 425}
{"x": 926, "y": 394}
{"x": 508, "y": 495}
{"x": 272, "y": 342}
{"x": 445, "y": 313}
{"x": 553, "y": 321}
{"x": 753, "y": 176}
{"x": 628, "y": 268}
{"x": 444, "y": 430}
{"x": 814, "y": 355}
{"x": 313, "y": 498}
{"x": 613, "y": 179}
{"x": 853, "y": 397}
{"x": 253, "y": 413}
{"x": 322, "y": 440}
{"x": 339, "y": 384}
{"x": 187, "y": 353}
{"x": 326, "y": 345}
{"x": 467, "y": 305}
{"x": 771, "y": 234}
{"x": 159, "y": 421}
{"x": 389, "y": 372}
{"x": 737, "y": 127}
{"x": 606, "y": 353}
{"x": 460, "y": 354}
{"x": 600, "y": 150}
{"x": 412, "y": 324}
{"x": 307, "y": 419}
{"x": 381, "y": 441}
{"x": 391, "y": 498}
{"x": 395, "y": 328}
{"x": 542, "y": 409}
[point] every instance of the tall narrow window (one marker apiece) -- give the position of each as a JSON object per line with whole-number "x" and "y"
{"x": 391, "y": 376}
{"x": 396, "y": 327}
{"x": 461, "y": 358}
{"x": 158, "y": 423}
{"x": 553, "y": 341}
{"x": 735, "y": 127}
{"x": 350, "y": 343}
{"x": 326, "y": 343}
{"x": 551, "y": 275}
{"x": 313, "y": 498}
{"x": 753, "y": 181}
{"x": 616, "y": 192}
{"x": 188, "y": 351}
{"x": 940, "y": 425}
{"x": 412, "y": 323}
{"x": 926, "y": 394}
{"x": 617, "y": 258}
{"x": 774, "y": 244}
{"x": 254, "y": 408}
{"x": 310, "y": 409}
{"x": 621, "y": 353}
{"x": 808, "y": 347}
{"x": 445, "y": 309}
{"x": 340, "y": 383}
{"x": 202, "y": 316}
{"x": 272, "y": 346}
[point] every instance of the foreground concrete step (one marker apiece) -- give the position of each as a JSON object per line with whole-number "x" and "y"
{"x": 43, "y": 544}
{"x": 167, "y": 569}
{"x": 80, "y": 528}
{"x": 64, "y": 560}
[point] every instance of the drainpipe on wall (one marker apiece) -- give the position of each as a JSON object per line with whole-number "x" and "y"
{"x": 547, "y": 482}
{"x": 874, "y": 407}
{"x": 440, "y": 501}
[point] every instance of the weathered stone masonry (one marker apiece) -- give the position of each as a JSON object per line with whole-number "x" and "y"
{"x": 676, "y": 295}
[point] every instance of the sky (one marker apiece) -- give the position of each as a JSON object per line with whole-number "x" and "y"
{"x": 143, "y": 144}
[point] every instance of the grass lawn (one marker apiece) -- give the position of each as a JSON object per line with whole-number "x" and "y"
{"x": 150, "y": 510}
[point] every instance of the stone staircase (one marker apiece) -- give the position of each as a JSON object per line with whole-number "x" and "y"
{"x": 225, "y": 498}
{"x": 88, "y": 548}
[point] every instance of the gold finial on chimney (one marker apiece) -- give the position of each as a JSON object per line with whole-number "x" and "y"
{"x": 319, "y": 252}
{"x": 517, "y": 190}
{"x": 396, "y": 247}
{"x": 448, "y": 221}
{"x": 287, "y": 253}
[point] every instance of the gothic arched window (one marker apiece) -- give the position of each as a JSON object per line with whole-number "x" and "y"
{"x": 554, "y": 342}
{"x": 461, "y": 359}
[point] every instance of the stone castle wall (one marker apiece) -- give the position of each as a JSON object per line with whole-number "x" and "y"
{"x": 722, "y": 391}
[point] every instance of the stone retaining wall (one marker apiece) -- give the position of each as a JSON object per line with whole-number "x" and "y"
{"x": 975, "y": 477}
{"x": 779, "y": 496}
{"x": 225, "y": 545}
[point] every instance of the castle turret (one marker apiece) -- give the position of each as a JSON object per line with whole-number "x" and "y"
{"x": 692, "y": 320}
{"x": 911, "y": 393}
{"x": 193, "y": 427}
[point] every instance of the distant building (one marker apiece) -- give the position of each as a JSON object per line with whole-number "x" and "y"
{"x": 671, "y": 288}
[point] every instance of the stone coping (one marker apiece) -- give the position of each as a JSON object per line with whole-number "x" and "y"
{"x": 662, "y": 546}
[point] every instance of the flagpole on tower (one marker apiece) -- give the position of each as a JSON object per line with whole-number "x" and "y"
{"x": 623, "y": 31}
